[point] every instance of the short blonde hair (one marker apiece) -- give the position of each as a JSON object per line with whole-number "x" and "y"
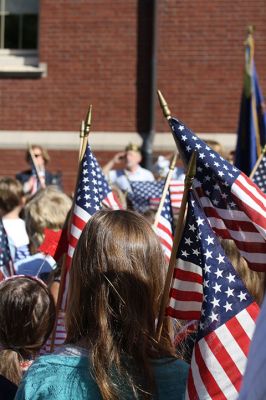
{"x": 47, "y": 209}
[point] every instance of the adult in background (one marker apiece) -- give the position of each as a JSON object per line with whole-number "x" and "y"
{"x": 29, "y": 179}
{"x": 115, "y": 288}
{"x": 132, "y": 170}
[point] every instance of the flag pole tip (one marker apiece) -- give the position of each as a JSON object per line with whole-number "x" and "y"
{"x": 164, "y": 105}
{"x": 191, "y": 171}
{"x": 88, "y": 120}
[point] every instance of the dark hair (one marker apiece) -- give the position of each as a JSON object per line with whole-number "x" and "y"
{"x": 27, "y": 315}
{"x": 11, "y": 194}
{"x": 115, "y": 288}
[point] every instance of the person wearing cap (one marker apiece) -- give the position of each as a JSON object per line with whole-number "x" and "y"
{"x": 132, "y": 171}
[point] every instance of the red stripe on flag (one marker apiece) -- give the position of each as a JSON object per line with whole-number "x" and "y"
{"x": 192, "y": 393}
{"x": 253, "y": 309}
{"x": 187, "y": 276}
{"x": 185, "y": 295}
{"x": 188, "y": 315}
{"x": 78, "y": 222}
{"x": 210, "y": 383}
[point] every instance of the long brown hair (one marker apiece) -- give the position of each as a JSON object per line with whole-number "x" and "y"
{"x": 115, "y": 287}
{"x": 27, "y": 315}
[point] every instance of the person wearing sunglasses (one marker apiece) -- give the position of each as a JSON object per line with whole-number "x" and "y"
{"x": 37, "y": 176}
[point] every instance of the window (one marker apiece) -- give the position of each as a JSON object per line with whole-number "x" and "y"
{"x": 19, "y": 24}
{"x": 19, "y": 27}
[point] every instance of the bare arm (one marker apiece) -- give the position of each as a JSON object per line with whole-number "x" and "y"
{"x": 115, "y": 160}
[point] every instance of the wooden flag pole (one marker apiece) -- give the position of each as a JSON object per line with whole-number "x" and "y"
{"x": 191, "y": 171}
{"x": 258, "y": 162}
{"x": 83, "y": 145}
{"x": 165, "y": 189}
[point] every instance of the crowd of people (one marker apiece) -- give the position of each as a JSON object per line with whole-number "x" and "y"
{"x": 111, "y": 350}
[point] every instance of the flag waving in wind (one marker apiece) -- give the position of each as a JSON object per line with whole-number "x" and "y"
{"x": 252, "y": 120}
{"x": 234, "y": 205}
{"x": 228, "y": 311}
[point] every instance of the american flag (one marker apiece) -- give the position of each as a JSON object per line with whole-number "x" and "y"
{"x": 234, "y": 205}
{"x": 6, "y": 266}
{"x": 228, "y": 313}
{"x": 92, "y": 192}
{"x": 176, "y": 189}
{"x": 260, "y": 175}
{"x": 147, "y": 195}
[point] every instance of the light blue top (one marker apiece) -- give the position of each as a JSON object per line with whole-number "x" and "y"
{"x": 65, "y": 377}
{"x": 254, "y": 382}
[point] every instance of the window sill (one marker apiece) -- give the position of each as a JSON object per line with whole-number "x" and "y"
{"x": 21, "y": 64}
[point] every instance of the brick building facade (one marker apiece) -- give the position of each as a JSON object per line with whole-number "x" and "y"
{"x": 98, "y": 52}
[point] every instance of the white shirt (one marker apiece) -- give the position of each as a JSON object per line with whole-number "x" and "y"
{"x": 16, "y": 230}
{"x": 122, "y": 178}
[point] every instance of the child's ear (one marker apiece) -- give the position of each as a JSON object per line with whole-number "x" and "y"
{"x": 23, "y": 200}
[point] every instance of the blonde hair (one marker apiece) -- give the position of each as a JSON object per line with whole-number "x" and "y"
{"x": 254, "y": 281}
{"x": 114, "y": 295}
{"x": 47, "y": 209}
{"x": 11, "y": 194}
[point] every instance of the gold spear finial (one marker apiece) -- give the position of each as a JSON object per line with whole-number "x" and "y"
{"x": 164, "y": 106}
{"x": 88, "y": 121}
{"x": 84, "y": 139}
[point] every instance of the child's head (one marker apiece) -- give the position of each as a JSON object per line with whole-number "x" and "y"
{"x": 47, "y": 209}
{"x": 27, "y": 315}
{"x": 11, "y": 194}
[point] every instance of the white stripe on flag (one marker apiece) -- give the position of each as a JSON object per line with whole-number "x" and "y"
{"x": 82, "y": 214}
{"x": 185, "y": 305}
{"x": 186, "y": 286}
{"x": 75, "y": 231}
{"x": 188, "y": 266}
{"x": 247, "y": 322}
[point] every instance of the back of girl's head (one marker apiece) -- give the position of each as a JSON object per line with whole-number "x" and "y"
{"x": 115, "y": 287}
{"x": 118, "y": 259}
{"x": 27, "y": 314}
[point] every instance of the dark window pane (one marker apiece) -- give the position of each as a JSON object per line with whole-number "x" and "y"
{"x": 11, "y": 31}
{"x": 30, "y": 32}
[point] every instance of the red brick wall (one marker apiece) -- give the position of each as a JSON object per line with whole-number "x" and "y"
{"x": 91, "y": 52}
{"x": 201, "y": 58}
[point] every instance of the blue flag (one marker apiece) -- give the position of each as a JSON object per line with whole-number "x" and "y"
{"x": 252, "y": 120}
